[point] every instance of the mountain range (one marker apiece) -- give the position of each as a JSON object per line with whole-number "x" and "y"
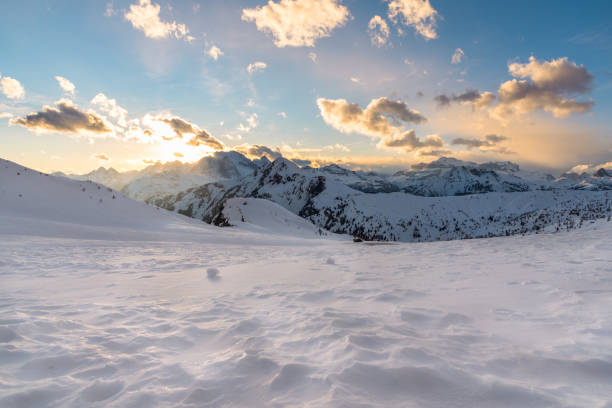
{"x": 442, "y": 200}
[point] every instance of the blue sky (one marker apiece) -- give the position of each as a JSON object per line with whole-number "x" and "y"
{"x": 100, "y": 50}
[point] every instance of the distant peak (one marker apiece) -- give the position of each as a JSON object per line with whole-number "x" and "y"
{"x": 442, "y": 162}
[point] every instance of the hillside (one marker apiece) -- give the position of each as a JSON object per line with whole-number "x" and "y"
{"x": 332, "y": 205}
{"x": 36, "y": 203}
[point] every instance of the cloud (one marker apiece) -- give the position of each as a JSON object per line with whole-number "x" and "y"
{"x": 588, "y": 168}
{"x": 256, "y": 67}
{"x": 100, "y": 156}
{"x": 251, "y": 123}
{"x": 144, "y": 16}
{"x": 12, "y": 88}
{"x": 66, "y": 85}
{"x": 5, "y": 115}
{"x": 546, "y": 86}
{"x": 379, "y": 119}
{"x": 258, "y": 151}
{"x": 177, "y": 154}
{"x": 457, "y": 56}
{"x": 409, "y": 141}
{"x": 478, "y": 100}
{"x": 214, "y": 52}
{"x": 579, "y": 168}
{"x": 282, "y": 115}
{"x": 109, "y": 11}
{"x": 489, "y": 142}
{"x": 338, "y": 146}
{"x": 65, "y": 118}
{"x": 112, "y": 109}
{"x": 434, "y": 153}
{"x": 313, "y": 56}
{"x": 418, "y": 14}
{"x": 198, "y": 136}
{"x": 298, "y": 23}
{"x": 378, "y": 29}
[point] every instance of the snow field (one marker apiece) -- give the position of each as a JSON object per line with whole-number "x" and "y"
{"x": 103, "y": 323}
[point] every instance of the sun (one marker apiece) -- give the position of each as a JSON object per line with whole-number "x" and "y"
{"x": 178, "y": 150}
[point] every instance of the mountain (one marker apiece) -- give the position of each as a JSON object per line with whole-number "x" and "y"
{"x": 34, "y": 201}
{"x": 330, "y": 204}
{"x": 449, "y": 177}
{"x": 442, "y": 200}
{"x": 173, "y": 177}
{"x": 443, "y": 177}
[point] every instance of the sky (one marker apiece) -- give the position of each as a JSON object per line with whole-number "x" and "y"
{"x": 373, "y": 85}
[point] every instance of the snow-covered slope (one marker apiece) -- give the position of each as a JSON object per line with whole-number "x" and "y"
{"x": 238, "y": 320}
{"x": 34, "y": 203}
{"x": 48, "y": 203}
{"x": 331, "y": 205}
{"x": 266, "y": 217}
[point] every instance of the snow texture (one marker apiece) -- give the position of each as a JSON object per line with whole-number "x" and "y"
{"x": 107, "y": 304}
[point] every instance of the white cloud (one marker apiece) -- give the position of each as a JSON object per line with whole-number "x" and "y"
{"x": 282, "y": 115}
{"x": 379, "y": 31}
{"x": 418, "y": 14}
{"x": 111, "y": 108}
{"x": 338, "y": 146}
{"x": 355, "y": 80}
{"x": 251, "y": 124}
{"x": 66, "y": 85}
{"x": 5, "y": 115}
{"x": 144, "y": 16}
{"x": 12, "y": 88}
{"x": 256, "y": 66}
{"x": 546, "y": 86}
{"x": 298, "y": 23}
{"x": 312, "y": 56}
{"x": 579, "y": 168}
{"x": 587, "y": 168}
{"x": 214, "y": 52}
{"x": 457, "y": 56}
{"x": 377, "y": 120}
{"x": 409, "y": 141}
{"x": 110, "y": 11}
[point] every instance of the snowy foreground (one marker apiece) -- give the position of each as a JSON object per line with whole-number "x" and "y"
{"x": 176, "y": 313}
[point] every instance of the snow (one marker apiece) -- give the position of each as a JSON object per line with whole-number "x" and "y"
{"x": 267, "y": 217}
{"x": 112, "y": 305}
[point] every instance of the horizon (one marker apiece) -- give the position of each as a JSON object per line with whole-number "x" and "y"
{"x": 379, "y": 86}
{"x": 579, "y": 170}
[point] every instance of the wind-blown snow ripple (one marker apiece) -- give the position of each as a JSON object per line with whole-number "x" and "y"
{"x": 97, "y": 323}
